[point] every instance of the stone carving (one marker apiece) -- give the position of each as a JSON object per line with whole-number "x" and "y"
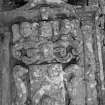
{"x": 55, "y": 53}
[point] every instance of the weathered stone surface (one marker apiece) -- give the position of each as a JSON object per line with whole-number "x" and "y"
{"x": 54, "y": 54}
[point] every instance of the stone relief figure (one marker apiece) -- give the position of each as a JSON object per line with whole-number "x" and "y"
{"x": 52, "y": 52}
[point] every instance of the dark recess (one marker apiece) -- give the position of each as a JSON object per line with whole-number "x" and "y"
{"x": 18, "y": 3}
{"x": 13, "y": 4}
{"x": 66, "y": 65}
{"x": 78, "y": 2}
{"x": 1, "y": 37}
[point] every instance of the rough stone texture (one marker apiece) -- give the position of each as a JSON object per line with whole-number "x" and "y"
{"x": 53, "y": 53}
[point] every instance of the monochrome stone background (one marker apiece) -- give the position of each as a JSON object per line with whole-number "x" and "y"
{"x": 52, "y": 52}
